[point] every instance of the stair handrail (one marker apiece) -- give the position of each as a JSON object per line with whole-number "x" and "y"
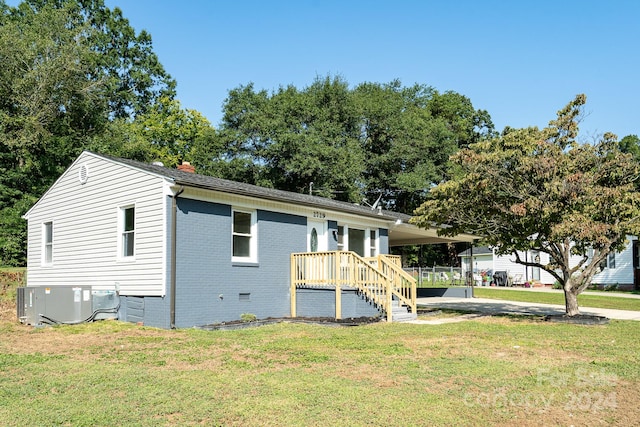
{"x": 403, "y": 284}
{"x": 346, "y": 268}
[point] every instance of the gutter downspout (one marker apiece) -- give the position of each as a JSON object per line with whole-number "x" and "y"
{"x": 174, "y": 222}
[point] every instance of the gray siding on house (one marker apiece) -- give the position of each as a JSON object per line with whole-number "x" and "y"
{"x": 150, "y": 311}
{"x": 212, "y": 289}
{"x": 322, "y": 303}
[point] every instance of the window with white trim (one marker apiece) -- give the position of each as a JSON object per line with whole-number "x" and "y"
{"x": 341, "y": 238}
{"x": 127, "y": 231}
{"x": 244, "y": 232}
{"x": 47, "y": 243}
{"x": 373, "y": 243}
{"x": 609, "y": 261}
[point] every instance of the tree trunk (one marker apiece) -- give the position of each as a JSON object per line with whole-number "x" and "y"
{"x": 571, "y": 302}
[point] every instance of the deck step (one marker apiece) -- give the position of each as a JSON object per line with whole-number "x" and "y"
{"x": 400, "y": 313}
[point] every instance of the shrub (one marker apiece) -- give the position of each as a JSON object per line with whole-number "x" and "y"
{"x": 248, "y": 317}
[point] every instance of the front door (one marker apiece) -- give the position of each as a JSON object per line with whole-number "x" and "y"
{"x": 317, "y": 236}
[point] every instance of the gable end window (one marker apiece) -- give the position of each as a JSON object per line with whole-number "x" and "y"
{"x": 244, "y": 244}
{"x": 47, "y": 243}
{"x": 127, "y": 231}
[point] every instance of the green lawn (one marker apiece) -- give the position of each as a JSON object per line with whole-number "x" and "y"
{"x": 490, "y": 371}
{"x": 604, "y": 301}
{"x": 487, "y": 371}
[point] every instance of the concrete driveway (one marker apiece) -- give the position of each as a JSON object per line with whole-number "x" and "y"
{"x": 494, "y": 306}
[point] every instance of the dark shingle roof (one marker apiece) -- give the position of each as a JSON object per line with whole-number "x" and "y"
{"x": 223, "y": 185}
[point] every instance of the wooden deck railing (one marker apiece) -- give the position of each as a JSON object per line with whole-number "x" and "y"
{"x": 379, "y": 279}
{"x": 403, "y": 285}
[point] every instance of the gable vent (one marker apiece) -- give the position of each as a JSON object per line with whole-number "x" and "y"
{"x": 83, "y": 174}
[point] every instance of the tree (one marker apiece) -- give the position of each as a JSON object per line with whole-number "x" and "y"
{"x": 69, "y": 68}
{"x": 408, "y": 134}
{"x": 374, "y": 142}
{"x": 631, "y": 144}
{"x": 531, "y": 189}
{"x": 295, "y": 140}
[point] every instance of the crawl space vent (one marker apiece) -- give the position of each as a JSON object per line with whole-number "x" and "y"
{"x": 83, "y": 174}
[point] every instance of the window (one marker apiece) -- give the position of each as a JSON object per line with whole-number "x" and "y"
{"x": 373, "y": 247}
{"x": 244, "y": 236}
{"x": 611, "y": 260}
{"x": 128, "y": 231}
{"x": 47, "y": 243}
{"x": 341, "y": 238}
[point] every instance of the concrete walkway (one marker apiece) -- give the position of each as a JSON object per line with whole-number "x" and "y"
{"x": 495, "y": 306}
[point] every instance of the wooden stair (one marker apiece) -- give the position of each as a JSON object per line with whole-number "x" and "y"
{"x": 380, "y": 280}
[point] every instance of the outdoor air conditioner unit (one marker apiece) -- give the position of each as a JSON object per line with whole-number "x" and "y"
{"x": 38, "y": 305}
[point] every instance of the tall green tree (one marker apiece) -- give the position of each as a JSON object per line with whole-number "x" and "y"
{"x": 409, "y": 134}
{"x": 532, "y": 189}
{"x": 69, "y": 68}
{"x": 376, "y": 141}
{"x": 296, "y": 140}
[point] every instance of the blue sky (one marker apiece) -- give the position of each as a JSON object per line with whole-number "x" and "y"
{"x": 519, "y": 60}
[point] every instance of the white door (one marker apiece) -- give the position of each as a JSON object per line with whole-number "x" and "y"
{"x": 317, "y": 236}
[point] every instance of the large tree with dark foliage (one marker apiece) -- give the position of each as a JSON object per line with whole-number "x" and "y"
{"x": 374, "y": 142}
{"x": 69, "y": 68}
{"x": 540, "y": 189}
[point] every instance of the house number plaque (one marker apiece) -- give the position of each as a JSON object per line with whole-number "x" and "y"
{"x": 320, "y": 215}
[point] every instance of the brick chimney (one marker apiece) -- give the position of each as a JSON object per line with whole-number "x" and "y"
{"x": 186, "y": 167}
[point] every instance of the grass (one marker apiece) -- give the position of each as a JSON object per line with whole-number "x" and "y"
{"x": 488, "y": 371}
{"x": 596, "y": 301}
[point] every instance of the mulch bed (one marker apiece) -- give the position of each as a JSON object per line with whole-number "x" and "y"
{"x": 325, "y": 321}
{"x": 580, "y": 319}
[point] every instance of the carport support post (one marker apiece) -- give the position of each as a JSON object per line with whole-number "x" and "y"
{"x": 473, "y": 280}
{"x": 293, "y": 286}
{"x": 338, "y": 301}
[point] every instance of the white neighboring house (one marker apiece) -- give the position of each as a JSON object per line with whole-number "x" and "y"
{"x": 620, "y": 268}
{"x": 484, "y": 259}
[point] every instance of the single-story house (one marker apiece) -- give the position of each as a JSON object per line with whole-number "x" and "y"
{"x": 181, "y": 249}
{"x": 621, "y": 269}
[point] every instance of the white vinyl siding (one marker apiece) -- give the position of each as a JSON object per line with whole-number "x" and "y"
{"x": 87, "y": 229}
{"x": 619, "y": 268}
{"x": 519, "y": 273}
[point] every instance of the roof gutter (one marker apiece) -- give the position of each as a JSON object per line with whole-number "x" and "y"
{"x": 174, "y": 224}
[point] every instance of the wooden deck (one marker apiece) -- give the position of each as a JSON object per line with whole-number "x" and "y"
{"x": 379, "y": 279}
